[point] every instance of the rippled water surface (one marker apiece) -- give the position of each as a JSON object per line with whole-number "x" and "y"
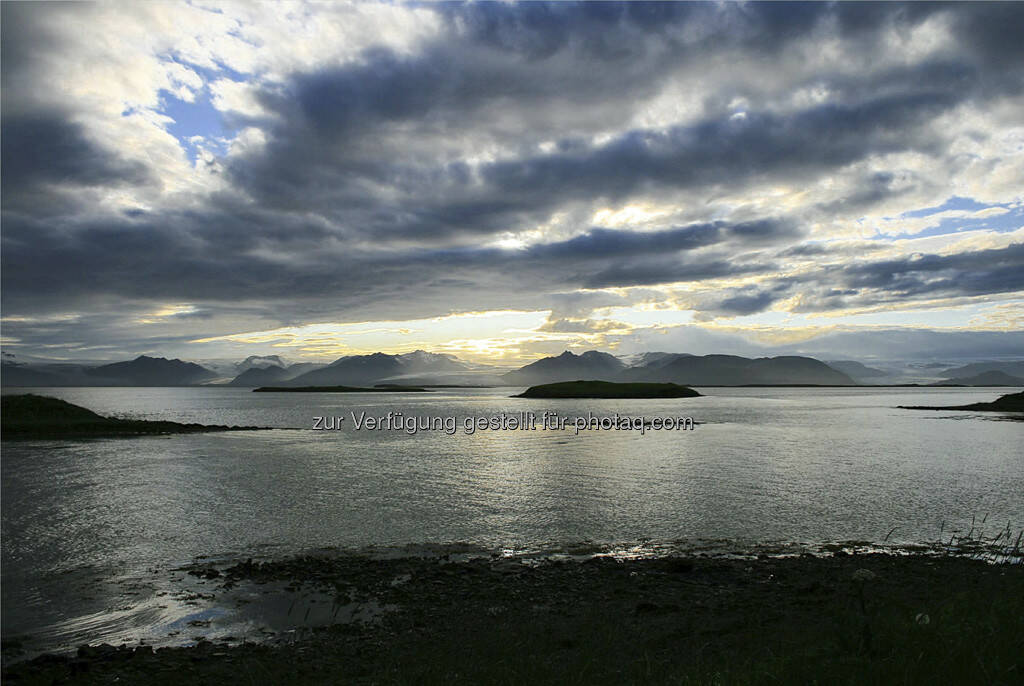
{"x": 84, "y": 520}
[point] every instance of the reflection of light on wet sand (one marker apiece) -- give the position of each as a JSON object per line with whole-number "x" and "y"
{"x": 193, "y": 613}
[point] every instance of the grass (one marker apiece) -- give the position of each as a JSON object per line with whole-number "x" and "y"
{"x": 1003, "y": 547}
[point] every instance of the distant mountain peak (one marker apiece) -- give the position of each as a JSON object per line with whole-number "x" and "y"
{"x": 592, "y": 365}
{"x": 152, "y": 371}
{"x": 359, "y": 370}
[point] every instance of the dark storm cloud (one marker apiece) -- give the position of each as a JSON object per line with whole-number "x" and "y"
{"x": 725, "y": 151}
{"x": 24, "y": 39}
{"x": 534, "y": 65}
{"x": 599, "y": 242}
{"x": 46, "y": 148}
{"x": 992, "y": 29}
{"x": 745, "y": 303}
{"x": 973, "y": 273}
{"x": 329, "y": 156}
{"x": 532, "y": 72}
{"x": 217, "y": 257}
{"x": 874, "y": 189}
{"x": 44, "y": 151}
{"x": 655, "y": 271}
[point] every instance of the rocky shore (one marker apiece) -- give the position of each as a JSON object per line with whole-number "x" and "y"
{"x": 841, "y": 618}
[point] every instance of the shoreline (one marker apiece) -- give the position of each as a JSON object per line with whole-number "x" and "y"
{"x": 418, "y": 618}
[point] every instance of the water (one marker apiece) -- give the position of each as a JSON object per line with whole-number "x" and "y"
{"x": 90, "y": 527}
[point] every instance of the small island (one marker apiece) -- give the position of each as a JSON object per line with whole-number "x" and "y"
{"x": 339, "y": 389}
{"x": 1014, "y": 402}
{"x": 608, "y": 389}
{"x": 33, "y": 416}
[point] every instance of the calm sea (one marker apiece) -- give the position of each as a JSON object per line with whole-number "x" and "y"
{"x": 762, "y": 465}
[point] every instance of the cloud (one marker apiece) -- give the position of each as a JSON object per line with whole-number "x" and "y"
{"x": 966, "y": 274}
{"x": 399, "y": 161}
{"x": 44, "y": 148}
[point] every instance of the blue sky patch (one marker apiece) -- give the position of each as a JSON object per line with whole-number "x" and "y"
{"x": 198, "y": 118}
{"x": 953, "y": 203}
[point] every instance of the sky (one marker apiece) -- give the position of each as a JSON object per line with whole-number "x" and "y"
{"x": 502, "y": 181}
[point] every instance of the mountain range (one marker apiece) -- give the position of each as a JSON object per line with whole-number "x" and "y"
{"x": 858, "y": 371}
{"x": 367, "y": 370}
{"x": 142, "y": 371}
{"x": 424, "y": 368}
{"x": 732, "y": 370}
{"x": 267, "y": 374}
{"x": 993, "y": 377}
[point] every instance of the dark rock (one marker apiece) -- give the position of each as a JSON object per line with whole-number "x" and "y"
{"x": 646, "y": 607}
{"x": 679, "y": 565}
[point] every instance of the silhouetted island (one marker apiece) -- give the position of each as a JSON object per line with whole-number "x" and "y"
{"x": 608, "y": 389}
{"x": 1013, "y": 402}
{"x": 338, "y": 389}
{"x": 32, "y": 416}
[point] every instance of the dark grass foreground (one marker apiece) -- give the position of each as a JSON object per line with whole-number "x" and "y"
{"x": 32, "y": 416}
{"x": 608, "y": 389}
{"x": 861, "y": 619}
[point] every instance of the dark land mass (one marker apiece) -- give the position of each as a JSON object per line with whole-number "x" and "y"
{"x": 338, "y": 389}
{"x": 567, "y": 367}
{"x": 39, "y": 417}
{"x": 151, "y": 371}
{"x": 732, "y": 370}
{"x": 856, "y": 370}
{"x": 17, "y": 375}
{"x": 273, "y": 373}
{"x": 653, "y": 360}
{"x": 260, "y": 376}
{"x": 991, "y": 378}
{"x": 1013, "y": 368}
{"x": 360, "y": 369}
{"x": 607, "y": 389}
{"x": 399, "y": 386}
{"x": 845, "y": 619}
{"x": 687, "y": 370}
{"x": 142, "y": 371}
{"x": 1007, "y": 403}
{"x": 355, "y": 370}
